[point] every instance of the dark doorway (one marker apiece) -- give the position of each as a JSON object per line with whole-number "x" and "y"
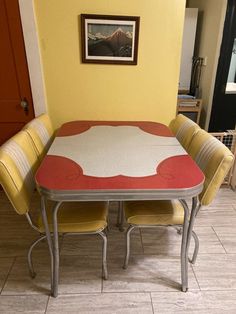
{"x": 223, "y": 114}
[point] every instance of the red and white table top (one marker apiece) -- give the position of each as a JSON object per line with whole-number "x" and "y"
{"x": 106, "y": 156}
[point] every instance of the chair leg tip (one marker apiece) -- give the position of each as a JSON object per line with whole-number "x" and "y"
{"x": 105, "y": 276}
{"x": 33, "y": 275}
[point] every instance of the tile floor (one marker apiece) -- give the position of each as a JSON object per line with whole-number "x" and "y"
{"x": 151, "y": 284}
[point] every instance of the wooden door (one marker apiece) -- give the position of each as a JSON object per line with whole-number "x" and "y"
{"x": 16, "y": 106}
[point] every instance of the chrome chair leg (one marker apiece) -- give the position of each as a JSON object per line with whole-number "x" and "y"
{"x": 179, "y": 230}
{"x": 104, "y": 255}
{"x": 127, "y": 246}
{"x": 184, "y": 248}
{"x": 196, "y": 244}
{"x": 29, "y": 255}
{"x": 108, "y": 225}
{"x": 196, "y": 248}
{"x": 120, "y": 217}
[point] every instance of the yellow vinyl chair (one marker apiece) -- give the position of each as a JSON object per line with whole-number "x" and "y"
{"x": 41, "y": 133}
{"x": 184, "y": 129}
{"x": 214, "y": 159}
{"x": 18, "y": 163}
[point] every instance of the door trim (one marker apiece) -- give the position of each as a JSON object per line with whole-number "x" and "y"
{"x": 33, "y": 56}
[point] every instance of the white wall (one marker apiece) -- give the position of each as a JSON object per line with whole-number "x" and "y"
{"x": 33, "y": 55}
{"x": 190, "y": 24}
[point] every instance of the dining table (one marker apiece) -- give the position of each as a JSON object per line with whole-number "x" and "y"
{"x": 117, "y": 161}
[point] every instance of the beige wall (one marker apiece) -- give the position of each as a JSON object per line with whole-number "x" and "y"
{"x": 92, "y": 91}
{"x": 211, "y": 19}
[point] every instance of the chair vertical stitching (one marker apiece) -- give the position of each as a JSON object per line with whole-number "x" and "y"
{"x": 14, "y": 151}
{"x": 41, "y": 131}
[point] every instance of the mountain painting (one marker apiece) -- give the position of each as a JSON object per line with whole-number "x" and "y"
{"x": 109, "y": 38}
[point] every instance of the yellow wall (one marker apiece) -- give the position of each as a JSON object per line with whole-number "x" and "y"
{"x": 77, "y": 90}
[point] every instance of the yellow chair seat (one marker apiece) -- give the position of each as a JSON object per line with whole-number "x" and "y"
{"x": 78, "y": 217}
{"x": 154, "y": 212}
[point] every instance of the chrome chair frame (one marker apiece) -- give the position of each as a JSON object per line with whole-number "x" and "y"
{"x": 186, "y": 231}
{"x": 102, "y": 233}
{"x": 119, "y": 224}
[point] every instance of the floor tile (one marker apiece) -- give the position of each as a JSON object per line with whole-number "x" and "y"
{"x": 146, "y": 273}
{"x": 220, "y": 302}
{"x": 208, "y": 241}
{"x": 178, "y": 302}
{"x": 123, "y": 303}
{"x": 117, "y": 243}
{"x": 16, "y": 242}
{"x": 151, "y": 282}
{"x": 167, "y": 242}
{"x": 215, "y": 216}
{"x": 202, "y": 302}
{"x": 5, "y": 266}
{"x": 92, "y": 244}
{"x": 80, "y": 274}
{"x": 23, "y": 304}
{"x": 227, "y": 236}
{"x": 225, "y": 195}
{"x": 82, "y": 245}
{"x": 16, "y": 235}
{"x": 19, "y": 281}
{"x": 216, "y": 271}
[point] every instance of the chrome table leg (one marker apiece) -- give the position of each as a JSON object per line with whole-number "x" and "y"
{"x": 184, "y": 251}
{"x": 55, "y": 251}
{"x": 49, "y": 239}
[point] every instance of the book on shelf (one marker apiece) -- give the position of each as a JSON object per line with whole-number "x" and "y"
{"x": 191, "y": 103}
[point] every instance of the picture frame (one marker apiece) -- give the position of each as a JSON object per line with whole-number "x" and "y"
{"x": 111, "y": 39}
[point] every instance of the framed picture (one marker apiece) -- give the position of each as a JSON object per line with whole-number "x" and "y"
{"x": 109, "y": 39}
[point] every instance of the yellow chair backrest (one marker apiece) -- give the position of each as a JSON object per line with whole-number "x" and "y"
{"x": 18, "y": 163}
{"x": 41, "y": 133}
{"x": 184, "y": 129}
{"x": 215, "y": 161}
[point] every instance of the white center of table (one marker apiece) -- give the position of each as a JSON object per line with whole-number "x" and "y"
{"x": 106, "y": 151}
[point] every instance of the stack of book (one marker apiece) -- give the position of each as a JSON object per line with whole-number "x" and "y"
{"x": 188, "y": 103}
